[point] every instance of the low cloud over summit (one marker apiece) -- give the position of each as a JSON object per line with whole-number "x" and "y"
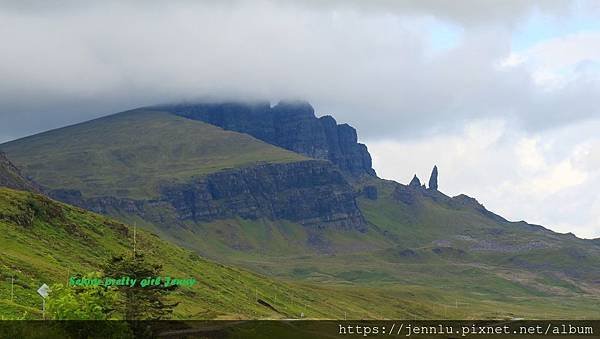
{"x": 502, "y": 98}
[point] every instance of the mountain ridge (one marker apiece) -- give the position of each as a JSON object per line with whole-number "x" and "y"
{"x": 143, "y": 161}
{"x": 291, "y": 125}
{"x": 300, "y": 108}
{"x": 130, "y": 144}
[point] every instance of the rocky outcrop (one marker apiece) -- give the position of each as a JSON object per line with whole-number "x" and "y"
{"x": 312, "y": 193}
{"x": 11, "y": 176}
{"x": 414, "y": 194}
{"x": 433, "y": 180}
{"x": 415, "y": 182}
{"x": 291, "y": 125}
{"x": 408, "y": 195}
{"x": 308, "y": 192}
{"x": 464, "y": 201}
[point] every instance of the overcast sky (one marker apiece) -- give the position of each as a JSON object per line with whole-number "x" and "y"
{"x": 501, "y": 95}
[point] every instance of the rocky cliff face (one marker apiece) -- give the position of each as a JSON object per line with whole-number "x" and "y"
{"x": 290, "y": 125}
{"x": 11, "y": 176}
{"x": 415, "y": 182}
{"x": 312, "y": 193}
{"x": 309, "y": 192}
{"x": 433, "y": 180}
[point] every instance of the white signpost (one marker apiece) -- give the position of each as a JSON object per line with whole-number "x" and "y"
{"x": 43, "y": 291}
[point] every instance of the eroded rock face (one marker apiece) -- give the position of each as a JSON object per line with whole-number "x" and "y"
{"x": 415, "y": 182}
{"x": 291, "y": 125}
{"x": 308, "y": 192}
{"x": 433, "y": 180}
{"x": 312, "y": 193}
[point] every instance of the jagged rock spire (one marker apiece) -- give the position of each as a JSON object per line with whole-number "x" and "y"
{"x": 415, "y": 182}
{"x": 433, "y": 180}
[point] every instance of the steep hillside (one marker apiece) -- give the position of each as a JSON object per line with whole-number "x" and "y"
{"x": 289, "y": 124}
{"x": 452, "y": 246}
{"x": 44, "y": 241}
{"x": 11, "y": 176}
{"x": 425, "y": 223}
{"x": 131, "y": 154}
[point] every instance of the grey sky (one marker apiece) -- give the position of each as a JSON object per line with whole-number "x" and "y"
{"x": 412, "y": 76}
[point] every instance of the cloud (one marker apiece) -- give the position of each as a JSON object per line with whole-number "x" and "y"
{"x": 562, "y": 61}
{"x": 410, "y": 75}
{"x": 461, "y": 11}
{"x": 355, "y": 59}
{"x": 464, "y": 12}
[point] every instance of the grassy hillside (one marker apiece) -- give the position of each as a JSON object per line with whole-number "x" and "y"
{"x": 45, "y": 242}
{"x": 129, "y": 154}
{"x": 448, "y": 259}
{"x": 433, "y": 271}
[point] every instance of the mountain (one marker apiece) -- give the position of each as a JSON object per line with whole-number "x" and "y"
{"x": 289, "y": 124}
{"x": 171, "y": 171}
{"x": 131, "y": 154}
{"x": 11, "y": 176}
{"x": 234, "y": 198}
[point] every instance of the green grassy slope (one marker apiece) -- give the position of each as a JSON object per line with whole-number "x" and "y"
{"x": 463, "y": 249}
{"x": 45, "y": 241}
{"x": 438, "y": 252}
{"x": 467, "y": 233}
{"x": 129, "y": 154}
